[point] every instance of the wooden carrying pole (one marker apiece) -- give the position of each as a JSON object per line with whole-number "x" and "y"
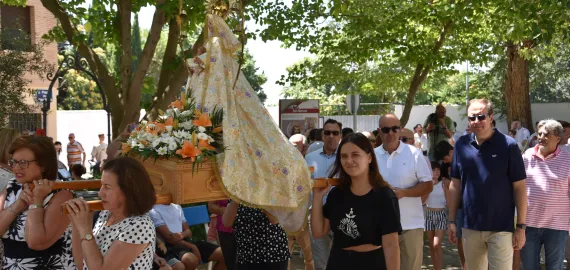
{"x": 97, "y": 205}
{"x": 323, "y": 182}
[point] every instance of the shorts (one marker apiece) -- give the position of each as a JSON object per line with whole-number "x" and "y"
{"x": 206, "y": 249}
{"x": 170, "y": 260}
{"x": 436, "y": 220}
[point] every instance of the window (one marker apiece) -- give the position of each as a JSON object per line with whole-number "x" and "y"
{"x": 15, "y": 28}
{"x": 25, "y": 121}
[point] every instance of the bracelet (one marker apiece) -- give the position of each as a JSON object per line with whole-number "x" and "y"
{"x": 35, "y": 206}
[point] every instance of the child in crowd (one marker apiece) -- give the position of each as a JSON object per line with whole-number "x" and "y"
{"x": 436, "y": 216}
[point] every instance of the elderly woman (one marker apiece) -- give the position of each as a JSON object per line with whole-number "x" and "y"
{"x": 123, "y": 236}
{"x": 31, "y": 222}
{"x": 547, "y": 181}
{"x": 7, "y": 136}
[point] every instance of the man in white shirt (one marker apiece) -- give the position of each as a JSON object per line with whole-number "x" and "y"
{"x": 99, "y": 153}
{"x": 404, "y": 167}
{"x": 522, "y": 136}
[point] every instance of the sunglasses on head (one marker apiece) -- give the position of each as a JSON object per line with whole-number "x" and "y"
{"x": 479, "y": 117}
{"x": 404, "y": 139}
{"x": 333, "y": 132}
{"x": 387, "y": 129}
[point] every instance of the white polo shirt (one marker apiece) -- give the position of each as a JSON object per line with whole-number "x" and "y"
{"x": 405, "y": 168}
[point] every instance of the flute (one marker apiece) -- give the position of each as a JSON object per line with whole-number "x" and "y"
{"x": 97, "y": 205}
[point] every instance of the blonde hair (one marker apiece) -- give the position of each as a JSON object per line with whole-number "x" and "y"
{"x": 7, "y": 137}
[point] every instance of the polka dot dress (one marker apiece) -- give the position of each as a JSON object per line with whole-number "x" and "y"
{"x": 259, "y": 241}
{"x": 131, "y": 230}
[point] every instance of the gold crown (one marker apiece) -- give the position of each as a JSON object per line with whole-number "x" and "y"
{"x": 221, "y": 7}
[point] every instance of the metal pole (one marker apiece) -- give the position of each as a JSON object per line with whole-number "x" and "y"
{"x": 44, "y": 110}
{"x": 467, "y": 85}
{"x": 354, "y": 113}
{"x": 108, "y": 126}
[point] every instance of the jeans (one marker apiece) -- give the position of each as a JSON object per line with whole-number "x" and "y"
{"x": 321, "y": 250}
{"x": 554, "y": 242}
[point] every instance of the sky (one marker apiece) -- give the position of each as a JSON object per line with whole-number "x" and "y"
{"x": 270, "y": 57}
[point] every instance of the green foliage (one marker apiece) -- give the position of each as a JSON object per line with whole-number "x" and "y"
{"x": 16, "y": 67}
{"x": 136, "y": 43}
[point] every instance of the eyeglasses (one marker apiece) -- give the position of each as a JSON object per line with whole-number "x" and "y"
{"x": 329, "y": 132}
{"x": 404, "y": 139}
{"x": 24, "y": 164}
{"x": 386, "y": 130}
{"x": 479, "y": 117}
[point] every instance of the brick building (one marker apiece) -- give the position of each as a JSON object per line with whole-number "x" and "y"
{"x": 34, "y": 21}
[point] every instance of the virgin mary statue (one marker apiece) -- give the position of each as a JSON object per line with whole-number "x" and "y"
{"x": 260, "y": 167}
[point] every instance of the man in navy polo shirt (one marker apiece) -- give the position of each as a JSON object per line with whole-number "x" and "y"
{"x": 488, "y": 176}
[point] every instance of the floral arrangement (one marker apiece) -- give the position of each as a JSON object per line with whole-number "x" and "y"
{"x": 184, "y": 131}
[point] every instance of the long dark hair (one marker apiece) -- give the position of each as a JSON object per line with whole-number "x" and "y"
{"x": 375, "y": 178}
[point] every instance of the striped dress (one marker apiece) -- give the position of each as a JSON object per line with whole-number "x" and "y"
{"x": 74, "y": 151}
{"x": 547, "y": 188}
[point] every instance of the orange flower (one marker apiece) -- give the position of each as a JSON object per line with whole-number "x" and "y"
{"x": 217, "y": 130}
{"x": 205, "y": 145}
{"x": 189, "y": 151}
{"x": 125, "y": 148}
{"x": 203, "y": 121}
{"x": 169, "y": 121}
{"x": 177, "y": 104}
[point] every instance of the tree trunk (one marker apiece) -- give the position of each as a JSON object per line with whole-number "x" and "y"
{"x": 516, "y": 89}
{"x": 420, "y": 76}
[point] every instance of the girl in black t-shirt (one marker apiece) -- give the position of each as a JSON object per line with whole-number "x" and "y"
{"x": 363, "y": 212}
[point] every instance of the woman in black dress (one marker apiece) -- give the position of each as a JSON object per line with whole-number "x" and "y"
{"x": 363, "y": 212}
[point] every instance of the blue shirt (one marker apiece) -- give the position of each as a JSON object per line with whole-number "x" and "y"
{"x": 487, "y": 174}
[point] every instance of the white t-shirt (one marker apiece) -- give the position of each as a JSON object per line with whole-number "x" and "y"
{"x": 99, "y": 152}
{"x": 436, "y": 198}
{"x": 170, "y": 215}
{"x": 405, "y": 168}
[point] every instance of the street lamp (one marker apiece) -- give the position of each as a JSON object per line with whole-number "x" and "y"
{"x": 76, "y": 62}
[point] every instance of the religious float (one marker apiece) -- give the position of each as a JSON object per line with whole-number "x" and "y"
{"x": 218, "y": 141}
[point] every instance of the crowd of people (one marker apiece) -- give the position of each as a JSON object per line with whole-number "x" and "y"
{"x": 500, "y": 199}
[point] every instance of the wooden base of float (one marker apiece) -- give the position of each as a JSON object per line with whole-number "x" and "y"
{"x": 175, "y": 177}
{"x": 174, "y": 182}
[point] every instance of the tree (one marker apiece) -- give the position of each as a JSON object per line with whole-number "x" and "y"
{"x": 14, "y": 66}
{"x": 417, "y": 37}
{"x": 136, "y": 43}
{"x": 256, "y": 80}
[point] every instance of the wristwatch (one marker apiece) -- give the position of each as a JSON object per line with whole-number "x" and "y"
{"x": 521, "y": 226}
{"x": 87, "y": 237}
{"x": 35, "y": 206}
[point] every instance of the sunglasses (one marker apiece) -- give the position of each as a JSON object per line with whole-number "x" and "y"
{"x": 479, "y": 117}
{"x": 404, "y": 139}
{"x": 329, "y": 132}
{"x": 386, "y": 130}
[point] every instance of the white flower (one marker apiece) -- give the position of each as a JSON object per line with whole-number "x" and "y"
{"x": 151, "y": 126}
{"x": 172, "y": 146}
{"x": 202, "y": 136}
{"x": 186, "y": 125}
{"x": 201, "y": 129}
{"x": 144, "y": 122}
{"x": 162, "y": 151}
{"x": 186, "y": 113}
{"x": 176, "y": 111}
{"x": 156, "y": 143}
{"x": 170, "y": 112}
{"x": 169, "y": 128}
{"x": 210, "y": 139}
